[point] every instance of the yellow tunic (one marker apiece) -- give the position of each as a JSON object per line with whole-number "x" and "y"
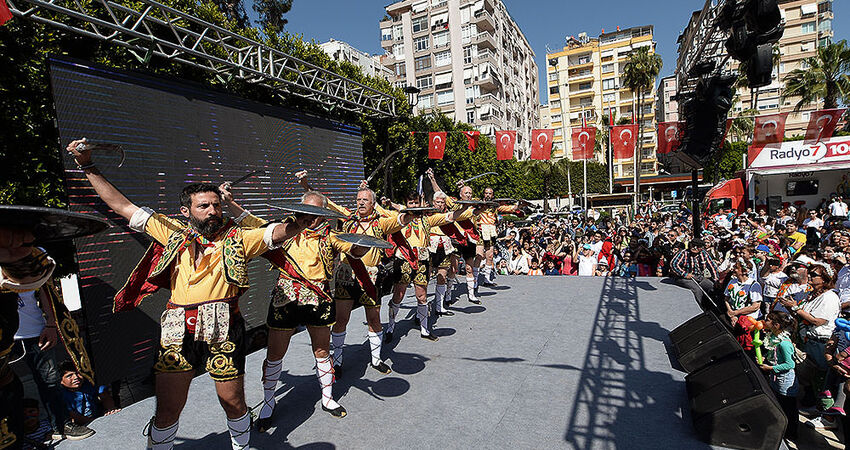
{"x": 191, "y": 284}
{"x": 305, "y": 250}
{"x": 488, "y": 216}
{"x": 379, "y": 226}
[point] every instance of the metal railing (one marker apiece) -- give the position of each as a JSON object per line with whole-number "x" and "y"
{"x": 151, "y": 28}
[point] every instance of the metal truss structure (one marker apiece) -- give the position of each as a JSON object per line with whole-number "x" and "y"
{"x": 702, "y": 41}
{"x": 149, "y": 28}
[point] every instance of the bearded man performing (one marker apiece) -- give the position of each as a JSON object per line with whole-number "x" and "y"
{"x": 202, "y": 263}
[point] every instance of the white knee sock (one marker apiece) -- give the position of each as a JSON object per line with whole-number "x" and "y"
{"x": 337, "y": 342}
{"x": 325, "y": 374}
{"x": 392, "y": 313}
{"x": 162, "y": 438}
{"x": 375, "y": 340}
{"x": 271, "y": 374}
{"x": 422, "y": 314}
{"x": 474, "y": 278}
{"x": 470, "y": 288}
{"x": 240, "y": 431}
{"x": 439, "y": 297}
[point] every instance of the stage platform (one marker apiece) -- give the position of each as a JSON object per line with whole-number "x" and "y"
{"x": 544, "y": 362}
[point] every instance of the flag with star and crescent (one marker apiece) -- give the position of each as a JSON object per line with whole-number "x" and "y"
{"x": 541, "y": 143}
{"x": 623, "y": 139}
{"x": 584, "y": 141}
{"x": 668, "y": 137}
{"x": 436, "y": 144}
{"x": 505, "y": 141}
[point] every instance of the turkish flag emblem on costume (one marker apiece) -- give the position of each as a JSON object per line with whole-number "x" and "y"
{"x": 541, "y": 144}
{"x": 623, "y": 139}
{"x": 584, "y": 139}
{"x": 769, "y": 129}
{"x": 471, "y": 139}
{"x": 668, "y": 137}
{"x": 5, "y": 14}
{"x": 436, "y": 144}
{"x": 822, "y": 124}
{"x": 505, "y": 142}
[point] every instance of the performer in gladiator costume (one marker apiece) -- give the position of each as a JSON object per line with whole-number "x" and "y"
{"x": 203, "y": 264}
{"x": 411, "y": 262}
{"x": 301, "y": 297}
{"x": 487, "y": 221}
{"x": 467, "y": 237}
{"x": 356, "y": 279}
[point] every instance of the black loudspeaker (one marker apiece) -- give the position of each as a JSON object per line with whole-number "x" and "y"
{"x": 733, "y": 406}
{"x": 702, "y": 340}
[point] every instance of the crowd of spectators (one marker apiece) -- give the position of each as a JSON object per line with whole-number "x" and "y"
{"x": 786, "y": 271}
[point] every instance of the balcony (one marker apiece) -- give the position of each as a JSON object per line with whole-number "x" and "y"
{"x": 581, "y": 106}
{"x": 582, "y": 93}
{"x": 487, "y": 99}
{"x": 484, "y": 20}
{"x": 486, "y": 40}
{"x": 580, "y": 75}
{"x": 489, "y": 80}
{"x": 486, "y": 56}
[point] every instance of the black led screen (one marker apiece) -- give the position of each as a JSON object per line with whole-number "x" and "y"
{"x": 173, "y": 134}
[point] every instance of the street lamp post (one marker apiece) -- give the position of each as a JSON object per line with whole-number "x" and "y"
{"x": 412, "y": 99}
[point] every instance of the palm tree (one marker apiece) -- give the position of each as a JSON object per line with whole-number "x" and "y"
{"x": 639, "y": 75}
{"x": 742, "y": 126}
{"x": 827, "y": 77}
{"x": 546, "y": 170}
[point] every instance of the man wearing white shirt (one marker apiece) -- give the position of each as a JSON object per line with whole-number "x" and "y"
{"x": 813, "y": 221}
{"x": 838, "y": 208}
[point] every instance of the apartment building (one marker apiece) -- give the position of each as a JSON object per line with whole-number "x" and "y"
{"x": 667, "y": 108}
{"x": 545, "y": 117}
{"x": 585, "y": 80}
{"x": 343, "y": 51}
{"x": 808, "y": 25}
{"x": 470, "y": 60}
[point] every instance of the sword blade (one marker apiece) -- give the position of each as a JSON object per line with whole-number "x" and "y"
{"x": 479, "y": 176}
{"x": 246, "y": 176}
{"x": 384, "y": 161}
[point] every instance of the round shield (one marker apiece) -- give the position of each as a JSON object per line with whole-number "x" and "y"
{"x": 298, "y": 208}
{"x": 420, "y": 210}
{"x": 50, "y": 224}
{"x": 476, "y": 203}
{"x": 364, "y": 240}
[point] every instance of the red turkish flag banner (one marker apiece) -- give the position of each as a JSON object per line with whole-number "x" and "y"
{"x": 769, "y": 129}
{"x": 541, "y": 144}
{"x": 505, "y": 142}
{"x": 668, "y": 137}
{"x": 822, "y": 124}
{"x": 5, "y": 14}
{"x": 436, "y": 144}
{"x": 584, "y": 139}
{"x": 725, "y": 133}
{"x": 471, "y": 139}
{"x": 623, "y": 139}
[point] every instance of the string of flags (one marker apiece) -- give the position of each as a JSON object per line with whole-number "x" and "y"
{"x": 767, "y": 129}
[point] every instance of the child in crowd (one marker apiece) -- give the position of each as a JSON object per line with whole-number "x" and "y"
{"x": 502, "y": 267}
{"x": 83, "y": 401}
{"x": 743, "y": 294}
{"x": 535, "y": 267}
{"x": 771, "y": 280}
{"x": 550, "y": 268}
{"x": 601, "y": 268}
{"x": 779, "y": 366}
{"x": 38, "y": 431}
{"x": 836, "y": 355}
{"x": 586, "y": 261}
{"x": 628, "y": 267}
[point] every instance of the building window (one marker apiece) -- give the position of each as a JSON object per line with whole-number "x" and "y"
{"x": 398, "y": 51}
{"x": 553, "y": 89}
{"x": 553, "y": 76}
{"x": 825, "y": 25}
{"x": 607, "y": 98}
{"x": 823, "y": 42}
{"x": 584, "y": 59}
{"x": 467, "y": 55}
{"x": 425, "y": 101}
{"x": 438, "y": 3}
{"x": 442, "y": 58}
{"x": 808, "y": 27}
{"x": 398, "y": 31}
{"x": 556, "y": 118}
{"x": 386, "y": 34}
{"x": 420, "y": 24}
{"x": 441, "y": 39}
{"x": 585, "y": 86}
{"x": 467, "y": 32}
{"x": 558, "y": 132}
{"x": 470, "y": 114}
{"x": 610, "y": 83}
{"x": 445, "y": 97}
{"x": 422, "y": 62}
{"x": 400, "y": 70}
{"x": 607, "y": 68}
{"x": 424, "y": 82}
{"x": 646, "y": 168}
{"x": 471, "y": 93}
{"x": 420, "y": 43}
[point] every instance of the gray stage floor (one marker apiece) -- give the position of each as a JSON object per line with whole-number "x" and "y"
{"x": 545, "y": 362}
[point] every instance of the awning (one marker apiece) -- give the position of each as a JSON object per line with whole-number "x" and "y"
{"x": 420, "y": 6}
{"x": 801, "y": 168}
{"x": 809, "y": 8}
{"x": 437, "y": 18}
{"x": 443, "y": 78}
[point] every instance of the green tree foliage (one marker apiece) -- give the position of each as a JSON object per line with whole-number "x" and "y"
{"x": 725, "y": 162}
{"x": 827, "y": 78}
{"x": 271, "y": 14}
{"x": 639, "y": 75}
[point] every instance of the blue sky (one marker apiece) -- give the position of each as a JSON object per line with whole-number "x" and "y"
{"x": 544, "y": 22}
